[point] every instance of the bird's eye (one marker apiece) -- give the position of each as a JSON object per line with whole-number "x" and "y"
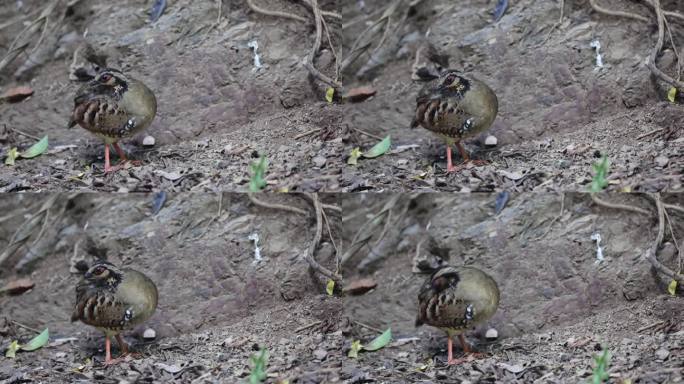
{"x": 105, "y": 78}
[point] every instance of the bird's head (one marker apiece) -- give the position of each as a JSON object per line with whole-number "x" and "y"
{"x": 110, "y": 81}
{"x": 451, "y": 81}
{"x": 103, "y": 273}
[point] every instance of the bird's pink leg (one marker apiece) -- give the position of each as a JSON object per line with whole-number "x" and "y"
{"x": 122, "y": 156}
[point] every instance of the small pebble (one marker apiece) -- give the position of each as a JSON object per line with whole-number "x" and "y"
{"x": 320, "y": 354}
{"x": 492, "y": 334}
{"x": 148, "y": 141}
{"x": 149, "y": 334}
{"x": 662, "y": 353}
{"x": 662, "y": 161}
{"x": 319, "y": 161}
{"x": 491, "y": 141}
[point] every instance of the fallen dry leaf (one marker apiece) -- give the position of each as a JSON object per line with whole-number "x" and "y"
{"x": 16, "y": 94}
{"x": 18, "y": 286}
{"x": 361, "y": 286}
{"x": 358, "y": 94}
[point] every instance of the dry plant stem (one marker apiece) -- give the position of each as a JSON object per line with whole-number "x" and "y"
{"x": 606, "y": 204}
{"x": 674, "y": 207}
{"x": 257, "y": 9}
{"x": 675, "y": 15}
{"x": 656, "y": 50}
{"x": 674, "y": 240}
{"x": 651, "y": 253}
{"x": 25, "y": 326}
{"x": 674, "y": 49}
{"x": 263, "y": 204}
{"x": 332, "y": 239}
{"x": 333, "y": 15}
{"x": 329, "y": 207}
{"x": 314, "y": 244}
{"x": 308, "y": 64}
{"x": 605, "y": 11}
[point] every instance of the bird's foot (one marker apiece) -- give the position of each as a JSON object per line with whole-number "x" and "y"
{"x": 125, "y": 164}
{"x": 118, "y": 360}
{"x": 467, "y": 164}
{"x": 467, "y": 358}
{"x": 131, "y": 355}
{"x": 124, "y": 357}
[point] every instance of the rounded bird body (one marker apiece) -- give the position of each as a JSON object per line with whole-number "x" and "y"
{"x": 114, "y": 300}
{"x": 457, "y": 299}
{"x": 455, "y": 107}
{"x": 113, "y": 106}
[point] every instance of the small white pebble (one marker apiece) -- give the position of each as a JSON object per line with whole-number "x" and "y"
{"x": 150, "y": 41}
{"x": 662, "y": 354}
{"x": 148, "y": 141}
{"x": 662, "y": 161}
{"x": 492, "y": 334}
{"x": 149, "y": 334}
{"x": 491, "y": 141}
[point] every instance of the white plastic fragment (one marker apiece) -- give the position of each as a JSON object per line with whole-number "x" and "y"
{"x": 599, "y": 251}
{"x": 599, "y": 59}
{"x": 491, "y": 141}
{"x": 148, "y": 141}
{"x": 257, "y": 61}
{"x": 149, "y": 334}
{"x": 257, "y": 251}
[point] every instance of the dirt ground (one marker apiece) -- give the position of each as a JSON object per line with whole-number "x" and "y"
{"x": 216, "y": 112}
{"x": 217, "y": 305}
{"x": 558, "y": 113}
{"x": 559, "y": 308}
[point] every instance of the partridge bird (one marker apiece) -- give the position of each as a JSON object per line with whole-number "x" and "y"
{"x": 113, "y": 106}
{"x": 456, "y": 299}
{"x": 455, "y": 107}
{"x": 113, "y": 300}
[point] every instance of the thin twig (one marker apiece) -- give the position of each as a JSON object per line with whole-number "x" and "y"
{"x": 359, "y": 130}
{"x": 332, "y": 239}
{"x": 674, "y": 240}
{"x": 333, "y": 15}
{"x": 260, "y": 203}
{"x": 24, "y": 133}
{"x": 316, "y": 240}
{"x": 651, "y": 253}
{"x": 368, "y": 326}
{"x": 650, "y": 326}
{"x": 25, "y": 326}
{"x": 315, "y": 323}
{"x": 674, "y": 207}
{"x": 286, "y": 15}
{"x": 308, "y": 63}
{"x": 605, "y": 11}
{"x": 656, "y": 50}
{"x": 329, "y": 207}
{"x": 311, "y": 132}
{"x": 606, "y": 204}
{"x": 650, "y": 133}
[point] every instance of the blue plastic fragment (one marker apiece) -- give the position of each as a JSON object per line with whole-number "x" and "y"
{"x": 158, "y": 203}
{"x": 501, "y": 6}
{"x": 157, "y": 10}
{"x": 501, "y": 200}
